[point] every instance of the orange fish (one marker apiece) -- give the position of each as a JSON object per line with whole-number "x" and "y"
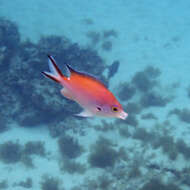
{"x": 87, "y": 91}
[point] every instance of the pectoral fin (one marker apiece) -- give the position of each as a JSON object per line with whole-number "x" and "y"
{"x": 66, "y": 93}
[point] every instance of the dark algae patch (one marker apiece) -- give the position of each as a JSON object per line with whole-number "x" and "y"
{"x": 25, "y": 184}
{"x": 3, "y": 124}
{"x": 69, "y": 147}
{"x": 3, "y": 184}
{"x": 143, "y": 135}
{"x": 126, "y": 91}
{"x": 10, "y": 152}
{"x": 13, "y": 152}
{"x": 50, "y": 183}
{"x": 133, "y": 108}
{"x": 72, "y": 166}
{"x": 166, "y": 142}
{"x": 102, "y": 154}
{"x": 156, "y": 184}
{"x": 110, "y": 33}
{"x": 107, "y": 45}
{"x": 34, "y": 147}
{"x": 182, "y": 114}
{"x": 147, "y": 79}
{"x": 154, "y": 99}
{"x": 10, "y": 40}
{"x": 149, "y": 116}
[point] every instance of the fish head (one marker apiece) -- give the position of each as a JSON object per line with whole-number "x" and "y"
{"x": 114, "y": 110}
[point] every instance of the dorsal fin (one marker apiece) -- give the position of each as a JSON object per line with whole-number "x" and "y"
{"x": 74, "y": 72}
{"x": 71, "y": 70}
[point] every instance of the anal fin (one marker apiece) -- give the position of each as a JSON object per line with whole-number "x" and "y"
{"x": 85, "y": 113}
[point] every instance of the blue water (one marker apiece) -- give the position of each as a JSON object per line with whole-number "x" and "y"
{"x": 43, "y": 146}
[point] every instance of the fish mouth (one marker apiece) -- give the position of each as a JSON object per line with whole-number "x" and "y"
{"x": 123, "y": 115}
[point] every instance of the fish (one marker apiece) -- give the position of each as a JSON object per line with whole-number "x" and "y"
{"x": 90, "y": 93}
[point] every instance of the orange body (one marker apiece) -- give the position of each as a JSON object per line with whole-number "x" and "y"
{"x": 86, "y": 89}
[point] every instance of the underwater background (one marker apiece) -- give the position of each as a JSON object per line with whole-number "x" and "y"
{"x": 140, "y": 50}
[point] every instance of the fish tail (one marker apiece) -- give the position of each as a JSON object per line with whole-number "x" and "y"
{"x": 55, "y": 73}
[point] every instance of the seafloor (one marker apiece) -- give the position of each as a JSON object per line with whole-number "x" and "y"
{"x": 140, "y": 50}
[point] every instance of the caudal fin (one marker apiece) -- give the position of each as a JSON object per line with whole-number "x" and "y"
{"x": 55, "y": 73}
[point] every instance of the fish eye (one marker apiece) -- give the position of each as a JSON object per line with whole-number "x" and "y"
{"x": 114, "y": 109}
{"x": 99, "y": 108}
